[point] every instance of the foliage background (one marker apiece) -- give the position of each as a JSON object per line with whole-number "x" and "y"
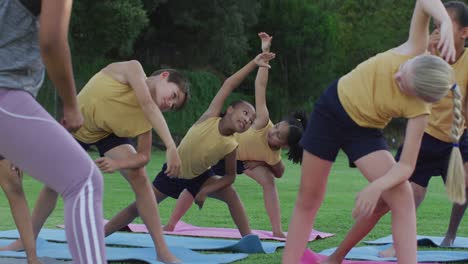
{"x": 315, "y": 42}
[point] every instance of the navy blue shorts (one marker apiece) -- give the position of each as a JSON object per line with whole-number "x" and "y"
{"x": 433, "y": 158}
{"x": 220, "y": 168}
{"x": 106, "y": 143}
{"x": 330, "y": 129}
{"x": 174, "y": 186}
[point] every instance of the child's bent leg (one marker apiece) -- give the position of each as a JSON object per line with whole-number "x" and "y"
{"x": 35, "y": 142}
{"x": 44, "y": 206}
{"x": 399, "y": 199}
{"x": 121, "y": 219}
{"x": 419, "y": 192}
{"x": 263, "y": 176}
{"x": 11, "y": 182}
{"x": 360, "y": 229}
{"x": 236, "y": 208}
{"x": 184, "y": 202}
{"x": 145, "y": 201}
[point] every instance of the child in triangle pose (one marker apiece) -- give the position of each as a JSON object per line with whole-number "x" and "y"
{"x": 259, "y": 151}
{"x": 436, "y": 143}
{"x": 118, "y": 103}
{"x": 207, "y": 141}
{"x": 401, "y": 82}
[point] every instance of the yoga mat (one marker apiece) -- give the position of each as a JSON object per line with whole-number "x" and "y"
{"x": 371, "y": 253}
{"x": 311, "y": 257}
{"x": 44, "y": 260}
{"x": 185, "y": 229}
{"x": 248, "y": 244}
{"x": 429, "y": 241}
{"x": 148, "y": 255}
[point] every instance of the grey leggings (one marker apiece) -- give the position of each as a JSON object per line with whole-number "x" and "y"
{"x": 32, "y": 140}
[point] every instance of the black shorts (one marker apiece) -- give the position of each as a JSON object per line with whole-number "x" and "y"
{"x": 220, "y": 168}
{"x": 433, "y": 158}
{"x": 106, "y": 143}
{"x": 174, "y": 186}
{"x": 330, "y": 129}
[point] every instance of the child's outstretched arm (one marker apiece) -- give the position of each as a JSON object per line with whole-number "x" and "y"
{"x": 216, "y": 105}
{"x": 136, "y": 77}
{"x": 262, "y": 114}
{"x": 419, "y": 30}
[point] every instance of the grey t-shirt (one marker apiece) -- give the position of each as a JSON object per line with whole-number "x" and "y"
{"x": 21, "y": 66}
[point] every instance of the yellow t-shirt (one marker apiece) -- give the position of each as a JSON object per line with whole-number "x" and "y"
{"x": 440, "y": 120}
{"x": 253, "y": 145}
{"x": 109, "y": 107}
{"x": 371, "y": 96}
{"x": 202, "y": 147}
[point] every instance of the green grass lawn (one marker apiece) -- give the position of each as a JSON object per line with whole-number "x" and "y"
{"x": 333, "y": 217}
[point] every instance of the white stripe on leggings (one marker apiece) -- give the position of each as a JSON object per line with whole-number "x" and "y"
{"x": 82, "y": 222}
{"x": 92, "y": 218}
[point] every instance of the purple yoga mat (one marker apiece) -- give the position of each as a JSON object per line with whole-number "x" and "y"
{"x": 184, "y": 229}
{"x": 311, "y": 257}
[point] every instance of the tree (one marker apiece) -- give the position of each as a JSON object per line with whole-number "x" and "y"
{"x": 202, "y": 34}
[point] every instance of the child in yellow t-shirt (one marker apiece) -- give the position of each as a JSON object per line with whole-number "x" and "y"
{"x": 207, "y": 141}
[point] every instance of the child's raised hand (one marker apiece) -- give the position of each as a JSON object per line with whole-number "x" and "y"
{"x": 266, "y": 41}
{"x": 446, "y": 44}
{"x": 173, "y": 162}
{"x": 262, "y": 59}
{"x": 366, "y": 201}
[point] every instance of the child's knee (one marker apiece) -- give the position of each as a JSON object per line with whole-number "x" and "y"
{"x": 268, "y": 181}
{"x": 12, "y": 187}
{"x": 136, "y": 176}
{"x": 11, "y": 183}
{"x": 230, "y": 194}
{"x": 400, "y": 197}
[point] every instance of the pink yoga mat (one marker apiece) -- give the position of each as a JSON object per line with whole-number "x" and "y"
{"x": 311, "y": 257}
{"x": 185, "y": 229}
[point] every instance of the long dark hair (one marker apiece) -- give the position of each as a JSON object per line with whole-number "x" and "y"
{"x": 297, "y": 122}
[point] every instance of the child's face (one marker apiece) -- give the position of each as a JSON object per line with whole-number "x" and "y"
{"x": 278, "y": 135}
{"x": 168, "y": 95}
{"x": 242, "y": 117}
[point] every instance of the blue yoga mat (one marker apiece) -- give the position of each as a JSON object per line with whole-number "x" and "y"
{"x": 44, "y": 260}
{"x": 371, "y": 253}
{"x": 428, "y": 241}
{"x": 248, "y": 244}
{"x": 60, "y": 251}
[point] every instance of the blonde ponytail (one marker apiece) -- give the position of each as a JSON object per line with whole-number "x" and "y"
{"x": 455, "y": 183}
